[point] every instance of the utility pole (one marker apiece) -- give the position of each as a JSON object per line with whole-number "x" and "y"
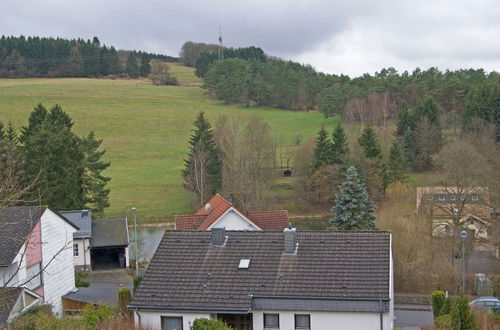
{"x": 136, "y": 243}
{"x": 221, "y": 47}
{"x": 463, "y": 235}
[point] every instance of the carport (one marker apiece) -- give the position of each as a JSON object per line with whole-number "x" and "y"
{"x": 109, "y": 244}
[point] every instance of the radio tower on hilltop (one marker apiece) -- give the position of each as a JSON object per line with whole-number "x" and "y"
{"x": 221, "y": 47}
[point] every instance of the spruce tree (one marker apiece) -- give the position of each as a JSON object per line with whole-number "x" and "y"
{"x": 203, "y": 168}
{"x": 2, "y": 131}
{"x": 131, "y": 66}
{"x": 405, "y": 121}
{"x": 340, "y": 149}
{"x": 368, "y": 140}
{"x": 322, "y": 150}
{"x": 10, "y": 133}
{"x": 95, "y": 193}
{"x": 145, "y": 68}
{"x": 396, "y": 166}
{"x": 353, "y": 209}
{"x": 114, "y": 61}
{"x": 54, "y": 159}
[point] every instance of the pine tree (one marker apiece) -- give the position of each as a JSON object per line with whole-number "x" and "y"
{"x": 322, "y": 151}
{"x": 203, "y": 168}
{"x": 2, "y": 131}
{"x": 10, "y": 133}
{"x": 405, "y": 121}
{"x": 96, "y": 195}
{"x": 368, "y": 140}
{"x": 396, "y": 166}
{"x": 114, "y": 61}
{"x": 340, "y": 149}
{"x": 353, "y": 209}
{"x": 54, "y": 159}
{"x": 145, "y": 68}
{"x": 131, "y": 66}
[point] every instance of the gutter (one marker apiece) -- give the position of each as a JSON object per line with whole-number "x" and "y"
{"x": 324, "y": 298}
{"x": 190, "y": 309}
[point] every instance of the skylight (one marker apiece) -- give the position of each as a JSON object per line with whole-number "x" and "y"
{"x": 244, "y": 263}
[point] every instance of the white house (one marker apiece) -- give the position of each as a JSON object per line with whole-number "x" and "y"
{"x": 269, "y": 280}
{"x": 218, "y": 212}
{"x": 81, "y": 238}
{"x": 36, "y": 252}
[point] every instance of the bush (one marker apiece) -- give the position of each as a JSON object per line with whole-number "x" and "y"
{"x": 438, "y": 302}
{"x": 443, "y": 321}
{"x": 206, "y": 324}
{"x": 80, "y": 278}
{"x": 94, "y": 316}
{"x": 124, "y": 298}
{"x": 461, "y": 315}
{"x": 137, "y": 282}
{"x": 496, "y": 286}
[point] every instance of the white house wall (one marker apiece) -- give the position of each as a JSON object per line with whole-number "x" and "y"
{"x": 6, "y": 272}
{"x": 83, "y": 259}
{"x": 232, "y": 221}
{"x": 327, "y": 320}
{"x": 57, "y": 245}
{"x": 152, "y": 320}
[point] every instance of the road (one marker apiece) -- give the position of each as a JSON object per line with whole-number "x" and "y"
{"x": 413, "y": 316}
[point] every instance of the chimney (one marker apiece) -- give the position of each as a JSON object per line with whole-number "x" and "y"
{"x": 291, "y": 244}
{"x": 218, "y": 236}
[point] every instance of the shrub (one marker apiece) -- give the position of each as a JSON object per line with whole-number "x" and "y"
{"x": 496, "y": 286}
{"x": 124, "y": 298}
{"x": 137, "y": 281}
{"x": 80, "y": 278}
{"x": 443, "y": 321}
{"x": 206, "y": 324}
{"x": 461, "y": 315}
{"x": 438, "y": 302}
{"x": 94, "y": 316}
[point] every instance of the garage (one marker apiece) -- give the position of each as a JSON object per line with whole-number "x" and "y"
{"x": 109, "y": 244}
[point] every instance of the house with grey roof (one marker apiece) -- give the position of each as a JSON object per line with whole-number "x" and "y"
{"x": 99, "y": 243}
{"x": 269, "y": 280}
{"x": 36, "y": 253}
{"x": 14, "y": 302}
{"x": 81, "y": 238}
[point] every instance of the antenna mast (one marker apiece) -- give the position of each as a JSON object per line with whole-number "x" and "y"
{"x": 221, "y": 47}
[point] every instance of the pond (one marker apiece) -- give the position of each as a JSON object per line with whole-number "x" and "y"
{"x": 150, "y": 237}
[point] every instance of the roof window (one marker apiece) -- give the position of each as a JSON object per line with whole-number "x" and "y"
{"x": 244, "y": 263}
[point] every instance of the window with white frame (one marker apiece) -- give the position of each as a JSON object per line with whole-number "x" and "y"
{"x": 302, "y": 321}
{"x": 271, "y": 321}
{"x": 171, "y": 323}
{"x": 75, "y": 250}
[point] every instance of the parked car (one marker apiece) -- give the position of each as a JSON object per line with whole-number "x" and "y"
{"x": 486, "y": 303}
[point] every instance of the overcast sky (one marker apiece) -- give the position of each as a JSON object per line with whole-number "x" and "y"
{"x": 334, "y": 36}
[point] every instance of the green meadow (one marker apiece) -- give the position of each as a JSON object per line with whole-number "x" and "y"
{"x": 145, "y": 129}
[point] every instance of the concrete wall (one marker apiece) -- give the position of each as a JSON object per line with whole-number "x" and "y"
{"x": 152, "y": 320}
{"x": 57, "y": 252}
{"x": 327, "y": 320}
{"x": 83, "y": 259}
{"x": 233, "y": 221}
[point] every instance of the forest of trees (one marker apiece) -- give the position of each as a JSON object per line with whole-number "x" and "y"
{"x": 461, "y": 96}
{"x": 56, "y": 57}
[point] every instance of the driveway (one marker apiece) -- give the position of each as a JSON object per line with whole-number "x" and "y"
{"x": 413, "y": 316}
{"x": 104, "y": 286}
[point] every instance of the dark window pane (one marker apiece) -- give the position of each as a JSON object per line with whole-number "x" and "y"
{"x": 271, "y": 320}
{"x": 171, "y": 323}
{"x": 302, "y": 321}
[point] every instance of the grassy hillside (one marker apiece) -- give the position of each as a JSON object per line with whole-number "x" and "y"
{"x": 145, "y": 130}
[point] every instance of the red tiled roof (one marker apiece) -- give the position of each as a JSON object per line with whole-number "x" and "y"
{"x": 218, "y": 206}
{"x": 270, "y": 220}
{"x": 203, "y": 219}
{"x": 188, "y": 222}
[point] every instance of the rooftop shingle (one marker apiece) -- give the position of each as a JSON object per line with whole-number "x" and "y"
{"x": 81, "y": 218}
{"x": 187, "y": 272}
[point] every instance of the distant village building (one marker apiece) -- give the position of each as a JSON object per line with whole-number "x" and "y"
{"x": 269, "y": 280}
{"x": 99, "y": 243}
{"x": 36, "y": 252}
{"x": 219, "y": 212}
{"x": 443, "y": 204}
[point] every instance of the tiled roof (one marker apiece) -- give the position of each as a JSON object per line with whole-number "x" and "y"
{"x": 217, "y": 206}
{"x": 16, "y": 224}
{"x": 189, "y": 222}
{"x": 81, "y": 218}
{"x": 188, "y": 273}
{"x": 109, "y": 232}
{"x": 8, "y": 298}
{"x": 269, "y": 220}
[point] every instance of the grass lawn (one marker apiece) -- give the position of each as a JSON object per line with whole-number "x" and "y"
{"x": 145, "y": 130}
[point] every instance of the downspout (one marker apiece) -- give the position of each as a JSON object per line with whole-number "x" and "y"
{"x": 381, "y": 315}
{"x": 84, "y": 255}
{"x": 138, "y": 317}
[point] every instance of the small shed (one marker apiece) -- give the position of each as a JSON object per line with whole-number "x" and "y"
{"x": 109, "y": 244}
